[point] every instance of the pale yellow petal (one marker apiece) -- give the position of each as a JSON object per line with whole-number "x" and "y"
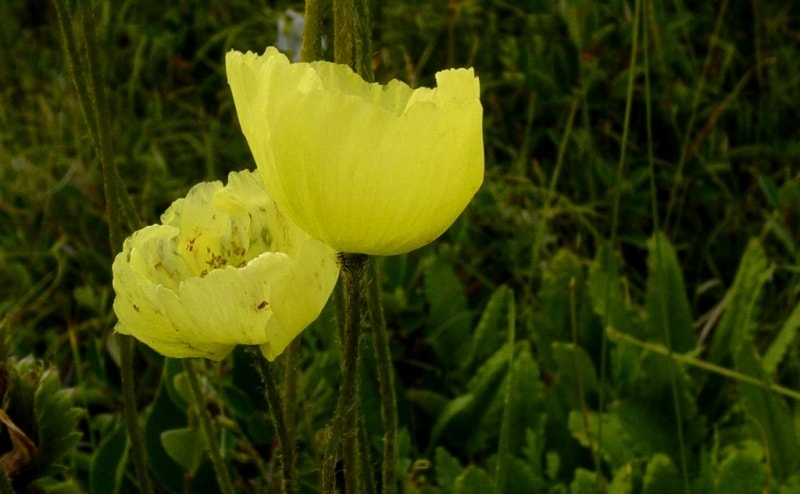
{"x": 226, "y": 269}
{"x": 363, "y": 167}
{"x": 235, "y": 306}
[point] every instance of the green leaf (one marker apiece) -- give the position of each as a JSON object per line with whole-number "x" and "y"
{"x": 185, "y": 446}
{"x": 474, "y": 481}
{"x": 447, "y": 468}
{"x": 51, "y": 486}
{"x": 461, "y": 416}
{"x": 173, "y": 377}
{"x": 553, "y": 320}
{"x": 782, "y": 342}
{"x": 488, "y": 335}
{"x": 57, "y": 422}
{"x": 667, "y": 305}
{"x": 521, "y": 479}
{"x": 605, "y": 288}
{"x": 623, "y": 480}
{"x": 661, "y": 476}
{"x": 576, "y": 374}
{"x": 108, "y": 462}
{"x": 585, "y": 482}
{"x": 613, "y": 308}
{"x": 770, "y": 414}
{"x": 742, "y": 471}
{"x": 738, "y": 322}
{"x": 631, "y": 432}
{"x": 164, "y": 415}
{"x": 448, "y": 314}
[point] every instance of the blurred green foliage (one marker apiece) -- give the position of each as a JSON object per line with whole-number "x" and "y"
{"x": 653, "y": 191}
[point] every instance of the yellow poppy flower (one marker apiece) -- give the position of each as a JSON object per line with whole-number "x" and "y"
{"x": 224, "y": 268}
{"x": 365, "y": 168}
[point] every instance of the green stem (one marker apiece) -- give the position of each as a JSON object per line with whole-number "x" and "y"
{"x": 702, "y": 364}
{"x": 311, "y": 48}
{"x": 344, "y": 44}
{"x": 367, "y": 479}
{"x": 83, "y": 62}
{"x": 345, "y": 419}
{"x": 386, "y": 389}
{"x": 288, "y": 465}
{"x": 363, "y": 40}
{"x": 201, "y": 411}
{"x": 128, "y": 379}
{"x": 290, "y": 386}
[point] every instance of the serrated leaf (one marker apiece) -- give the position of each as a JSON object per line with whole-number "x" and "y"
{"x": 575, "y": 373}
{"x": 622, "y": 482}
{"x": 57, "y": 422}
{"x": 782, "y": 342}
{"x": 522, "y": 479}
{"x": 661, "y": 476}
{"x": 185, "y": 446}
{"x": 771, "y": 415}
{"x": 742, "y": 471}
{"x": 553, "y": 319}
{"x": 474, "y": 481}
{"x": 605, "y": 289}
{"x": 585, "y": 482}
{"x": 488, "y": 334}
{"x": 738, "y": 321}
{"x": 447, "y": 469}
{"x": 667, "y": 305}
{"x": 526, "y": 394}
{"x": 462, "y": 415}
{"x": 108, "y": 462}
{"x": 448, "y": 315}
{"x": 612, "y": 307}
{"x": 631, "y": 432}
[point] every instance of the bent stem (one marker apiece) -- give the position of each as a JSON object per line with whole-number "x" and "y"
{"x": 199, "y": 403}
{"x": 346, "y": 417}
{"x": 383, "y": 359}
{"x": 288, "y": 465}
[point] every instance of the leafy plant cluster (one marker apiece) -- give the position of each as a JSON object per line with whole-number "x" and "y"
{"x": 616, "y": 312}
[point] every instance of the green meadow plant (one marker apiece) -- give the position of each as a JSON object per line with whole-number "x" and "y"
{"x": 616, "y": 311}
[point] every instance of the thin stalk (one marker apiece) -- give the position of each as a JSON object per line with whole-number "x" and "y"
{"x": 615, "y": 213}
{"x": 363, "y": 40}
{"x": 311, "y": 48}
{"x": 288, "y": 464}
{"x": 386, "y": 389}
{"x": 289, "y": 404}
{"x": 659, "y": 273}
{"x": 83, "y": 61}
{"x": 201, "y": 411}
{"x": 367, "y": 479}
{"x": 128, "y": 381}
{"x": 344, "y": 44}
{"x": 702, "y": 364}
{"x": 345, "y": 419}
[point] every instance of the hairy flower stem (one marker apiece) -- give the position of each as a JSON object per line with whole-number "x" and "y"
{"x": 201, "y": 411}
{"x": 288, "y": 464}
{"x": 346, "y": 417}
{"x": 383, "y": 359}
{"x": 311, "y": 49}
{"x": 82, "y": 57}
